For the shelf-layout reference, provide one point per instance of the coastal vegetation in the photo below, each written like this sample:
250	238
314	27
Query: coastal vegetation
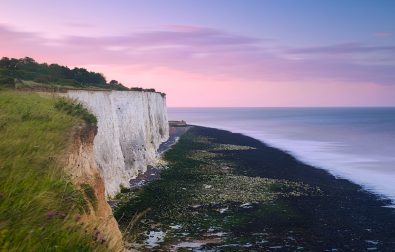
202	196
228	192
75	109
27	74
40	209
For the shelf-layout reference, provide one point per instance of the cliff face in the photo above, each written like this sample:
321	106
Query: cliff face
131	126
83	171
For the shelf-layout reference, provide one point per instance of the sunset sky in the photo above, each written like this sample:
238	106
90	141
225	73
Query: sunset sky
206	53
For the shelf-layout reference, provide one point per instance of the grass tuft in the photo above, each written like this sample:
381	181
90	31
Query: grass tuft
75	109
90	194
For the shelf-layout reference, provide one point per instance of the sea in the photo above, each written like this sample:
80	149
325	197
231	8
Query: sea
357	144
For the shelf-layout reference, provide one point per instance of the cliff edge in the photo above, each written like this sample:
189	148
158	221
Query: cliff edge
83	172
131	126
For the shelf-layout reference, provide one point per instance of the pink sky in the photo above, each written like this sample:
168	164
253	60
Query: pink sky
201	66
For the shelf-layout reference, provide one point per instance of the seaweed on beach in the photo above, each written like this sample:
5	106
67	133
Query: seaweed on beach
228	192
203	193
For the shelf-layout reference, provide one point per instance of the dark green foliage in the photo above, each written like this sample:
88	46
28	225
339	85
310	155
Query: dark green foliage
54	74
124	189
28	69
140	89
7	82
75	109
136	89
115	85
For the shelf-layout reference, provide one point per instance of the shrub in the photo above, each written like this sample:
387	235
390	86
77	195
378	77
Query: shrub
75	109
7	82
136	89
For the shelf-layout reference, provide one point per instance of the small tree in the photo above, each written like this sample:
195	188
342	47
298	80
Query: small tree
114	82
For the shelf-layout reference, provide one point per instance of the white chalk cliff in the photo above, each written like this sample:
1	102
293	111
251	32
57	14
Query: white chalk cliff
131	126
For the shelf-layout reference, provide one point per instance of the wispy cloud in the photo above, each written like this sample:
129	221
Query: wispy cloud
195	37
383	34
349	48
79	24
205	51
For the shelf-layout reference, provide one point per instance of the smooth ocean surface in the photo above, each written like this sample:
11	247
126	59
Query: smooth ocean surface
353	143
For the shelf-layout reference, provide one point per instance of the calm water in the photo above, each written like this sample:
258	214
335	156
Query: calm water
353	143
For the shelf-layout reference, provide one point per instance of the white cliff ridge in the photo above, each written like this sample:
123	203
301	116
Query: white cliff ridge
131	126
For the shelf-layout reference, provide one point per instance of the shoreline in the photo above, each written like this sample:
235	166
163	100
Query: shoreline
369	188
353	143
308	204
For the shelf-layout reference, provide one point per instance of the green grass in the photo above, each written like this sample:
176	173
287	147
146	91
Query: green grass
33	85
90	194
38	204
75	109
29	84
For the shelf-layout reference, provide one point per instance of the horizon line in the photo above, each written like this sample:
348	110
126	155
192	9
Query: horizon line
257	107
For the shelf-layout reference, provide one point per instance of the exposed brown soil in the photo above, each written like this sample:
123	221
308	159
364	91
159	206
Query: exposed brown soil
81	167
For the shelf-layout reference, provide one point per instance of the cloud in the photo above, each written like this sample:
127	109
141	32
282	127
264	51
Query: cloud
349	48
79	25
8	35
187	36
383	34
203	51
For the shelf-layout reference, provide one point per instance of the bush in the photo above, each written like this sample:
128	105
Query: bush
136	89
7	82
69	82
75	109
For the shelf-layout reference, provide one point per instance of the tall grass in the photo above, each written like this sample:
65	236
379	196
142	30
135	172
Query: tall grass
75	109
39	207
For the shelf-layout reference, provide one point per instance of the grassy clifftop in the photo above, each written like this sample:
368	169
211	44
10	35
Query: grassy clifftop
40	208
